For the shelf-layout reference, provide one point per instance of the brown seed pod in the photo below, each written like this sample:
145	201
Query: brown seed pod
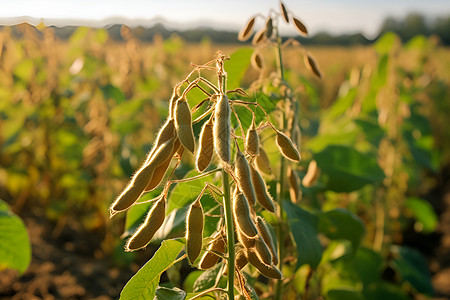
286	147
145	232
161	169
257	61
264	232
262	250
284	12
166	132
252	141
246	31
210	259
300	27
261	193
241	260
183	124
294	186
311	174
194	231
312	66
244	179
265	269
262	162
242	215
206	149
259	37
221	128
269	28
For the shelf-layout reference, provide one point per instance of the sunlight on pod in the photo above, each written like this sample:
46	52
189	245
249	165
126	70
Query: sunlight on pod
312	66
261	193
246	31
311	174
244	178
210	259
257	61
262	250
252	141
265	269
161	169
194	231
301	28
262	162
206	148
264	231
269	28
145	232
242	215
241	259
284	12
286	147
222	128
259	37
166	132
183	124
294	186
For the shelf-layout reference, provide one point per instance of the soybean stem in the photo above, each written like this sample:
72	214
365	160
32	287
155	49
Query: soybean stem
230	233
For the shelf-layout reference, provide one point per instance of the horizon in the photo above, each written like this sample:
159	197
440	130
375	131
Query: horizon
345	17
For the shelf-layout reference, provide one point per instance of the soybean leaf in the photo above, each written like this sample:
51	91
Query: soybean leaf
144	283
109	91
384	290
163	293
347	169
342	224
15	247
413	268
208	278
237	66
424	213
338	294
304	228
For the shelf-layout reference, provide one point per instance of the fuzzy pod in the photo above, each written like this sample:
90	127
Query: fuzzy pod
161	169
206	148
264	232
301	28
262	162
166	132
261	193
262	250
246	31
312	66
294	186
194	231
311	174
222	128
257	61
210	259
241	260
244	180
269	28
183	124
145	232
265	269
259	37
252	141
242	215
284	12
286	147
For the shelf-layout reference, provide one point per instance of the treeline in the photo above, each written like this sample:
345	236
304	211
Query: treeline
408	27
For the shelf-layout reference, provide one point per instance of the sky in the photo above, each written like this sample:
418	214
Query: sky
334	16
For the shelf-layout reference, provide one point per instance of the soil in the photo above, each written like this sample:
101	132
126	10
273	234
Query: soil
72	266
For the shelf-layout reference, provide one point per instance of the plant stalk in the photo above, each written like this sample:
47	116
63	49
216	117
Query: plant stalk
230	233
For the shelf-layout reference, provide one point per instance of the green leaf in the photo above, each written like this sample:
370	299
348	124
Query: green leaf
208	278
385	291
342	224
304	229
163	293
15	247
347	169
424	213
144	283
136	213
385	43
109	91
237	66
347	294
413	268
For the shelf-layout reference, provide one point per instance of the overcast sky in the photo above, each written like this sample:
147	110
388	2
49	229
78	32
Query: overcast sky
335	16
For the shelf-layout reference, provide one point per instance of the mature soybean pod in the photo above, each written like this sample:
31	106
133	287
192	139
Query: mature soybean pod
241	260
166	132
265	269
286	147
262	162
252	141
242	216
206	149
261	193
262	250
264	231
145	232
244	177
221	128
210	259
183	124
194	231
161	169
311	174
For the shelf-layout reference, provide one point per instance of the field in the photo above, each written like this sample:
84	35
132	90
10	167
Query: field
78	117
